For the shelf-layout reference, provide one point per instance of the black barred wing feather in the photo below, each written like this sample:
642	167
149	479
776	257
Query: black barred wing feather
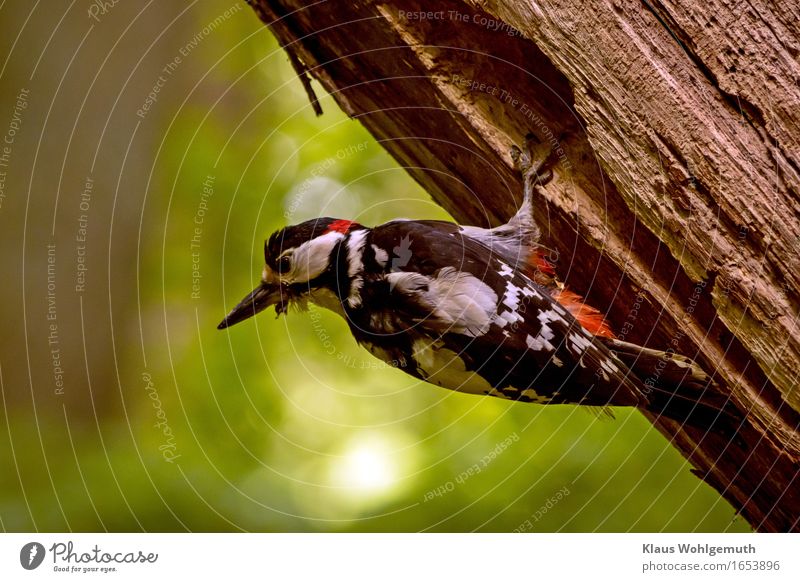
474	323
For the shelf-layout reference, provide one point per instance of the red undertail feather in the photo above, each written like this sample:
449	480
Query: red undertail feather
540	269
589	317
544	273
540	263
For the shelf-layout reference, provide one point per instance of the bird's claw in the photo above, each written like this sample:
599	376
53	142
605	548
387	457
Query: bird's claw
537	172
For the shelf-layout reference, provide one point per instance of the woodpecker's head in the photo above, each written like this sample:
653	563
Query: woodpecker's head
308	261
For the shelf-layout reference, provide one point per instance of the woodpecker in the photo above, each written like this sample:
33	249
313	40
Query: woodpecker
477	310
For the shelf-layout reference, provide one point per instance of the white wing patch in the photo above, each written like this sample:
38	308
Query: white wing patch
607	365
408	283
458	301
511	301
542	340
529	291
578	343
507	317
511	297
463	299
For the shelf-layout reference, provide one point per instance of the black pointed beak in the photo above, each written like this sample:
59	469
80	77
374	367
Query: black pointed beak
258	300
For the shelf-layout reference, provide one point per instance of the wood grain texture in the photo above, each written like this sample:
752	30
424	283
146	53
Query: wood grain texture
676	197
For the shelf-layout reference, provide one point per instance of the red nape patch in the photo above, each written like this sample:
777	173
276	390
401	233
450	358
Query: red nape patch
342	226
589	317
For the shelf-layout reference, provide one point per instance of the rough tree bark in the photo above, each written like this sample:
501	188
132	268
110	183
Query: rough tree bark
676	197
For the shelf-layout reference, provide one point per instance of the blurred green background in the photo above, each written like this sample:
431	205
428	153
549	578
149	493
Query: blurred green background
153	146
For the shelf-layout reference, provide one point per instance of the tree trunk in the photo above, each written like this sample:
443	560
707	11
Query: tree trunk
675	202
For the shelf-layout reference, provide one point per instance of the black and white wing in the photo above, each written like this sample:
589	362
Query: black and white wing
474	323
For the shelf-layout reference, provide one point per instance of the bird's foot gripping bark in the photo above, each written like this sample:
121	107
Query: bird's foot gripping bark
534	168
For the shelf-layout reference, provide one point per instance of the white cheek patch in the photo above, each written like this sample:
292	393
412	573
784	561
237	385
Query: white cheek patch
311	258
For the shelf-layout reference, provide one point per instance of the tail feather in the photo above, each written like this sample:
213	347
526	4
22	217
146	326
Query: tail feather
677	387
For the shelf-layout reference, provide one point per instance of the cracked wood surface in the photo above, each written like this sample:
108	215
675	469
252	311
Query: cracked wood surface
675	201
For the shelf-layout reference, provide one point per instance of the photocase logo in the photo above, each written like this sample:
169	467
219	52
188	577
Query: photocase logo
31	555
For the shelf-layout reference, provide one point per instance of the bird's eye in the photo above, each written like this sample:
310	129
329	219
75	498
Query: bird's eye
284	264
